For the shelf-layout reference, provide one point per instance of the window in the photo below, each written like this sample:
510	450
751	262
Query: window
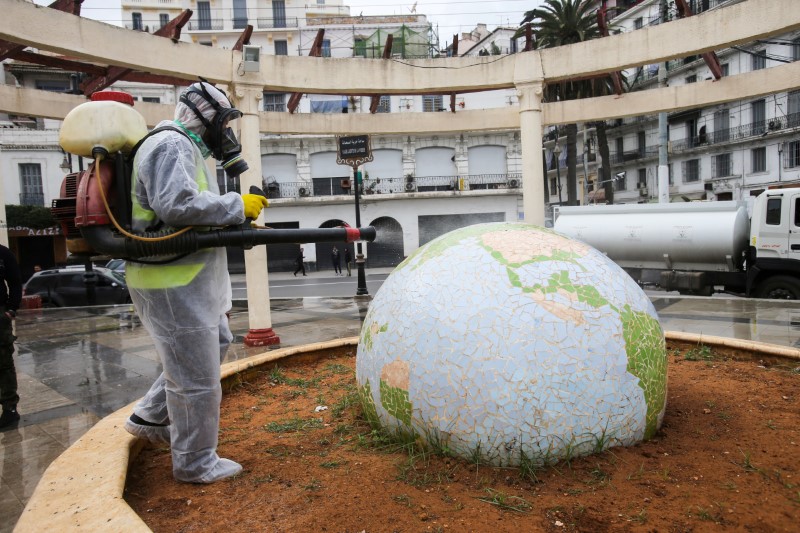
796	49
432	102
619	144
671	175
774	211
641	141
691	79
691	132
203	15
326	48
30	184
279	13
514	47
758	159
383	105
621	181
638	23
55	86
553	187
274	101
136	20
151	99
793	109
239	14
721	166
722	131
163	19
360	47
792	154
691	170
642	179
726	69
281	48
758	112
759	60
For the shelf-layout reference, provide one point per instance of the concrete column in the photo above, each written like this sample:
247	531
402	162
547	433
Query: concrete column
255	260
530	122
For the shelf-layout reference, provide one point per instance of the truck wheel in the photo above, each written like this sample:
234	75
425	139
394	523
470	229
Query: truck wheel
779	288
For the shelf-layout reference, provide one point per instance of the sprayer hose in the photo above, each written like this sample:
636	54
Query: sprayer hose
162	237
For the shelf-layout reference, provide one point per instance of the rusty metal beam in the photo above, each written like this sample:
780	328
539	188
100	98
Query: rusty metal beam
146	77
57	62
316	50
602	23
375	99
171	30
244	38
528	37
711	59
7	48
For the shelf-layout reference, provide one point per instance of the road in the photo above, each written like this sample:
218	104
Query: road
325	284
314	285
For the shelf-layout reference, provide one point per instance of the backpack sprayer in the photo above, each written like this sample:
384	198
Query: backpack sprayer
94	209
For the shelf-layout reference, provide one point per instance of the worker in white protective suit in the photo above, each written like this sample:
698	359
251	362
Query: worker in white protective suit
182	300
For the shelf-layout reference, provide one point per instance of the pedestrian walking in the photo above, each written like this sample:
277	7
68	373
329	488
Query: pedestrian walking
10	298
348	259
300	263
337	261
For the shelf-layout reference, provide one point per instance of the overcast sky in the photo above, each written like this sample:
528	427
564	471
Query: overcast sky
451	16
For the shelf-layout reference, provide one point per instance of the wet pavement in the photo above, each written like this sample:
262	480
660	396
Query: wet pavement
77	365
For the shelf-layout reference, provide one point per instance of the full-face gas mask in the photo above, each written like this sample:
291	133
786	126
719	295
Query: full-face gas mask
219	137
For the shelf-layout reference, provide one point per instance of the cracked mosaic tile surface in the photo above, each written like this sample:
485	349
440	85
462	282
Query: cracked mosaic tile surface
507	339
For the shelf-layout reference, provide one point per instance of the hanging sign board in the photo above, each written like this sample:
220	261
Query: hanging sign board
354	150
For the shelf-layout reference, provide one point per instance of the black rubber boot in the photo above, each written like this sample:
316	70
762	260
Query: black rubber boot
9	418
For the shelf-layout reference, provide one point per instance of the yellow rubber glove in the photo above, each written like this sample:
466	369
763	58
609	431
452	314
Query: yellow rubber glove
253	204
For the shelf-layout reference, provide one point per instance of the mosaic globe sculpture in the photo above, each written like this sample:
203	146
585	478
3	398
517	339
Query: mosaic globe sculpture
513	342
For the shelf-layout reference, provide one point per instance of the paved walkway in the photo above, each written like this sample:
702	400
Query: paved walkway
77	365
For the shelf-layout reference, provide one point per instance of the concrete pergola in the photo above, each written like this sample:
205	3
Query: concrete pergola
528	73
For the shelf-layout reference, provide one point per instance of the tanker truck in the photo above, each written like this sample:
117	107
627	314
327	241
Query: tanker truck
699	247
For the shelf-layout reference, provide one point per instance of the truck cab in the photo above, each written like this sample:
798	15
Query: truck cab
774	248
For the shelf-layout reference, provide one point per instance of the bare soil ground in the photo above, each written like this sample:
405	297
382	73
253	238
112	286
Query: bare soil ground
725	459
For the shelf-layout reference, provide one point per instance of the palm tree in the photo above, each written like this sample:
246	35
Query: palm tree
559	23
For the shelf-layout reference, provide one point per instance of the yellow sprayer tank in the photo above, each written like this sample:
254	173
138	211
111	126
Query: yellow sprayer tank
108	122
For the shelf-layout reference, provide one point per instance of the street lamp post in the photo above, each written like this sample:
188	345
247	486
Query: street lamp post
362	278
557	152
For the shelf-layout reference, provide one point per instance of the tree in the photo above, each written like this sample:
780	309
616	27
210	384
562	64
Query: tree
559	23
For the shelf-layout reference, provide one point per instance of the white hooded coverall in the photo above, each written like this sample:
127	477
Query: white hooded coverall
182	304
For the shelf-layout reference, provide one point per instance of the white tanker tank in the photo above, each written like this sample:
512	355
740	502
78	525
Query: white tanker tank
699	247
704	236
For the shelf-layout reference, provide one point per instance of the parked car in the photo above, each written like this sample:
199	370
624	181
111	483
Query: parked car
117	265
70	287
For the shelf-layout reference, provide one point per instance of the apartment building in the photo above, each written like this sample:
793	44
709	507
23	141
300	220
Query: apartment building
731	151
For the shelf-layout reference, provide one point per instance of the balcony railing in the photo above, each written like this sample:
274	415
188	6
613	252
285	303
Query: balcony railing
285	22
618	158
206	25
332	186
744	131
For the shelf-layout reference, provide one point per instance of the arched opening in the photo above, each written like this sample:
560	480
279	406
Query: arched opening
325	249
387	250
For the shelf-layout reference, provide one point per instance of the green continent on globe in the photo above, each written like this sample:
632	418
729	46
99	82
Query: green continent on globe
368	404
644	344
396	402
369	331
